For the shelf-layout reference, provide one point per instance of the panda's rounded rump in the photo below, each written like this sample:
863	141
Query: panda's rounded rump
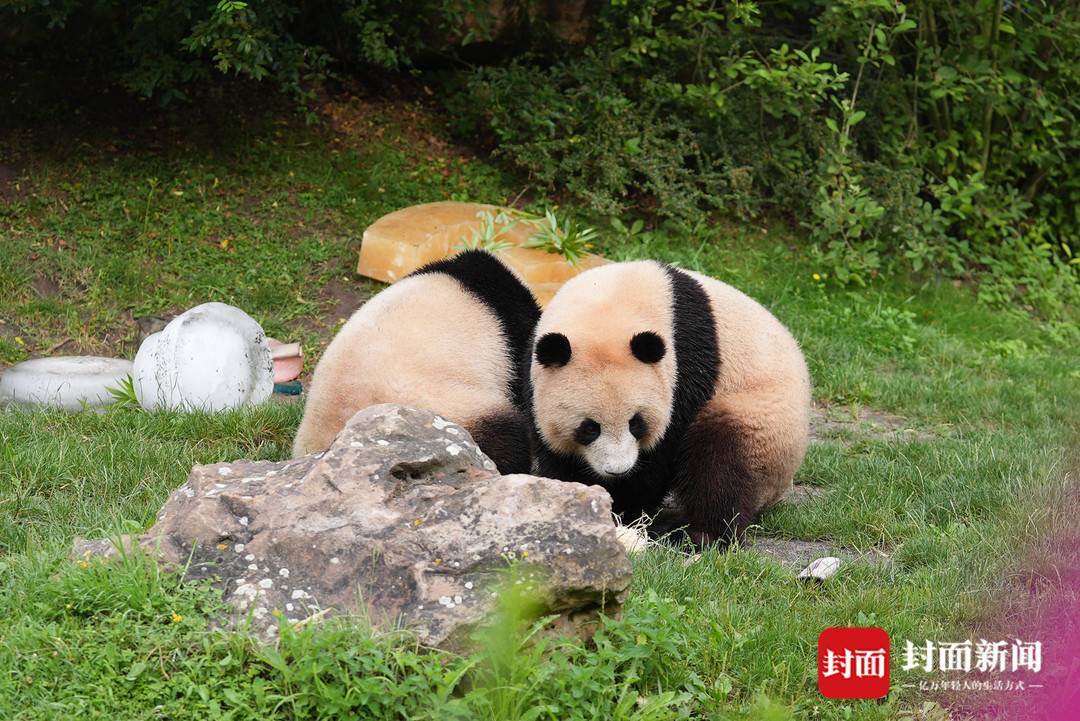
426	342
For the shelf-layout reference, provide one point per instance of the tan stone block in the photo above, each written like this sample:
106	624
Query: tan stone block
400	242
540	267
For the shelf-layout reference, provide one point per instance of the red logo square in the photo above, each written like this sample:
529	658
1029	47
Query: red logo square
853	663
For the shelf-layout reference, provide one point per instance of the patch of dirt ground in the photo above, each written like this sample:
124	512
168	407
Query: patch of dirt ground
12	185
846	424
796	555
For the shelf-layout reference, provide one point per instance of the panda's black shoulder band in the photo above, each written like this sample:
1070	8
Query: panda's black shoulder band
493	284
697	356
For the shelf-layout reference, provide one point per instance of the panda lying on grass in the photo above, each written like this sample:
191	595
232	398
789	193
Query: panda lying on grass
683	397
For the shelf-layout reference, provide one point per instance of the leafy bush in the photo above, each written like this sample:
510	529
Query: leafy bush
922	135
176	50
569	126
926	135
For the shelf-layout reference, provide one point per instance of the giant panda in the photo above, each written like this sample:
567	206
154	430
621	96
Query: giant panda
683	397
452	337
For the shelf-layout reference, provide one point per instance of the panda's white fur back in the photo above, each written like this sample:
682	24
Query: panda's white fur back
423	342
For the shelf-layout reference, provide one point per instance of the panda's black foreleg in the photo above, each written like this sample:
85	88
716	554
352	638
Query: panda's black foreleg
639	495
715	493
633	496
504	438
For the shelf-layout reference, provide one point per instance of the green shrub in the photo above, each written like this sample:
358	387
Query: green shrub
172	51
918	136
570	127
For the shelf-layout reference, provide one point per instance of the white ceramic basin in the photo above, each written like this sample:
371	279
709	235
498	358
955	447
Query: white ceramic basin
212	357
63	382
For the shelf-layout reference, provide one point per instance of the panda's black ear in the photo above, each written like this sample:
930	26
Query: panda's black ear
647	347
553	349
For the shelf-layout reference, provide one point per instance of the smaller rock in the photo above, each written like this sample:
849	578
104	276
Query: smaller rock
86	548
89	547
821	569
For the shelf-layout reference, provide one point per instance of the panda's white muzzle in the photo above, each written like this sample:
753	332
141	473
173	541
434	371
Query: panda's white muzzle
612	456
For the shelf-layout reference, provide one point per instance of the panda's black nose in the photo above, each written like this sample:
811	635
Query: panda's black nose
587	432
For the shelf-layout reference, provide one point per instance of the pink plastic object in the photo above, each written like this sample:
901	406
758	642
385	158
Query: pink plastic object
288	360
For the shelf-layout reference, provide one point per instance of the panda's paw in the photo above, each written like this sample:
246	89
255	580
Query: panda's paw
668	524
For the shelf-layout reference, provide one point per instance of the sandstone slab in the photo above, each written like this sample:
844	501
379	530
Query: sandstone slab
400	242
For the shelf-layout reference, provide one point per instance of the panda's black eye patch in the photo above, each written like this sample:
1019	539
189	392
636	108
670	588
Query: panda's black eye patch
647	347
553	349
587	432
638	427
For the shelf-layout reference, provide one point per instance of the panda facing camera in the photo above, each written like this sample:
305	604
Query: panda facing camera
610	437
683	397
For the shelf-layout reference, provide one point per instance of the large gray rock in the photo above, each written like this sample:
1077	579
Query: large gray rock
404	519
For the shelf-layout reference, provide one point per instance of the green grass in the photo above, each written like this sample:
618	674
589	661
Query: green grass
730	635
263	218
